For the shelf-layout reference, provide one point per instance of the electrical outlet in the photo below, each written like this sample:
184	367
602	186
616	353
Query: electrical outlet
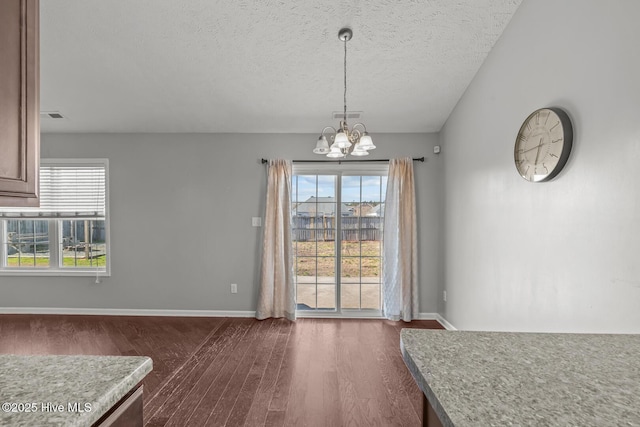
256	221
234	288
444	296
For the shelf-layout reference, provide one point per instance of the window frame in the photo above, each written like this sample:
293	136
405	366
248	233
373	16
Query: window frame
55	234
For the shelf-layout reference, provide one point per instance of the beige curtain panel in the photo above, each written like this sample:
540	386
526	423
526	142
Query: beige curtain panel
277	296
400	256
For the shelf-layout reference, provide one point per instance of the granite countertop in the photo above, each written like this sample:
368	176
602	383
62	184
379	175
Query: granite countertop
526	379
65	390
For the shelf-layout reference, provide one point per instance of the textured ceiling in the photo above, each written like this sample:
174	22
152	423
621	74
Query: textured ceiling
259	65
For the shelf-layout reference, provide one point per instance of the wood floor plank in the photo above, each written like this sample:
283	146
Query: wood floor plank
304	403
280	395
377	364
274	419
175	387
39	337
121	341
331	399
234	372
246	355
395	376
345	363
93	338
17	336
224	373
194	400
332	414
240	411
258	412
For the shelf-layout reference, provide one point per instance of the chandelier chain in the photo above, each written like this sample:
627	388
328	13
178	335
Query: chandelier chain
345	80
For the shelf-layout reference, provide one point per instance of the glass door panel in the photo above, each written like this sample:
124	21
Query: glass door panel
361	238
314	208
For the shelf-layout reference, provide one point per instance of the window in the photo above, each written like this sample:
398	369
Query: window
69	233
337	226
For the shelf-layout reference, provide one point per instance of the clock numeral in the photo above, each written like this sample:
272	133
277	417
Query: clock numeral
547	119
553	155
554	141
538	118
522	137
529	125
535	170
553	127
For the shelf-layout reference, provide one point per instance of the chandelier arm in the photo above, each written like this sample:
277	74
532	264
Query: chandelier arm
354	135
360	124
329	127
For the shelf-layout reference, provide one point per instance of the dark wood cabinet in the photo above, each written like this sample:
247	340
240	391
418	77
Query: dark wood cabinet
19	102
126	413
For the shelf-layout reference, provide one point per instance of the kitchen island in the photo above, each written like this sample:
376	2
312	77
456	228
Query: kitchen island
525	379
71	390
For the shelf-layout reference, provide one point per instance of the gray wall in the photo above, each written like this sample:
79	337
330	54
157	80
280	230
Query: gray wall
164	187
563	255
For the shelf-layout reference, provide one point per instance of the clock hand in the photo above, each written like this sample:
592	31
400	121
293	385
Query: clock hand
538	153
531	149
534	148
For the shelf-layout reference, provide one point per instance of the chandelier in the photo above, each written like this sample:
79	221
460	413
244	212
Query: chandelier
344	140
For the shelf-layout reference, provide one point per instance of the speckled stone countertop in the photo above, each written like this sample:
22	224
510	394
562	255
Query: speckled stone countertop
526	379
65	390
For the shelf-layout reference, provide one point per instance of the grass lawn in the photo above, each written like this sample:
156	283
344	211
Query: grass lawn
318	258
43	261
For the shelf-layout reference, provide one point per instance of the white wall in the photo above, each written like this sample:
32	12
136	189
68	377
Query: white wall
563	255
181	208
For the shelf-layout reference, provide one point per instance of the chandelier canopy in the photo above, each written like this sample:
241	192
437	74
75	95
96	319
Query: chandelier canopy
345	141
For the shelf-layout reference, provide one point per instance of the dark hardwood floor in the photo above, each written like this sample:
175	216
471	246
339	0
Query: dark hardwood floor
245	372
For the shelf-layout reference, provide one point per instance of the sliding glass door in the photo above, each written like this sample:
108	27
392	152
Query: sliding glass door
337	219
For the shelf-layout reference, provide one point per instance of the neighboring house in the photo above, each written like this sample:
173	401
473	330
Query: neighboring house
363	209
321	207
377	211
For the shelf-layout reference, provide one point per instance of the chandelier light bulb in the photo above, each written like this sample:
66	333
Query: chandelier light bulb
322	146
358	150
366	143
335	152
342	140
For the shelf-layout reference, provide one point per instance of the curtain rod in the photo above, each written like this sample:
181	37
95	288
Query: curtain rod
418	159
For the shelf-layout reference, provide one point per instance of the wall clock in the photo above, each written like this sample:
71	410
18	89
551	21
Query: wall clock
543	144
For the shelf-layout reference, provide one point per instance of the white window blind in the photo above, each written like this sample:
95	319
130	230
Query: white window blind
67	191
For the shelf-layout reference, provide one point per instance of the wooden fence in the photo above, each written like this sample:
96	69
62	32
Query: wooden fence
324	228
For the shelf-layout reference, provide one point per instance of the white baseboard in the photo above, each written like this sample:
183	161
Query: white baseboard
184	313
126	312
436	316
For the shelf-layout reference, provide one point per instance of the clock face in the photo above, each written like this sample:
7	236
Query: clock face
543	144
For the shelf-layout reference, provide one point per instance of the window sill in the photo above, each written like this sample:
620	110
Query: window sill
54	273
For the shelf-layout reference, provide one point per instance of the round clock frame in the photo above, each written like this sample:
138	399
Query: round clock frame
543	144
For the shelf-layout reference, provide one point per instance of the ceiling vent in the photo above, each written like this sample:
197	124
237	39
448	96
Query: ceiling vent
339	115
51	115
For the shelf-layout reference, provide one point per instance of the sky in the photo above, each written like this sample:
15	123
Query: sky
354	188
